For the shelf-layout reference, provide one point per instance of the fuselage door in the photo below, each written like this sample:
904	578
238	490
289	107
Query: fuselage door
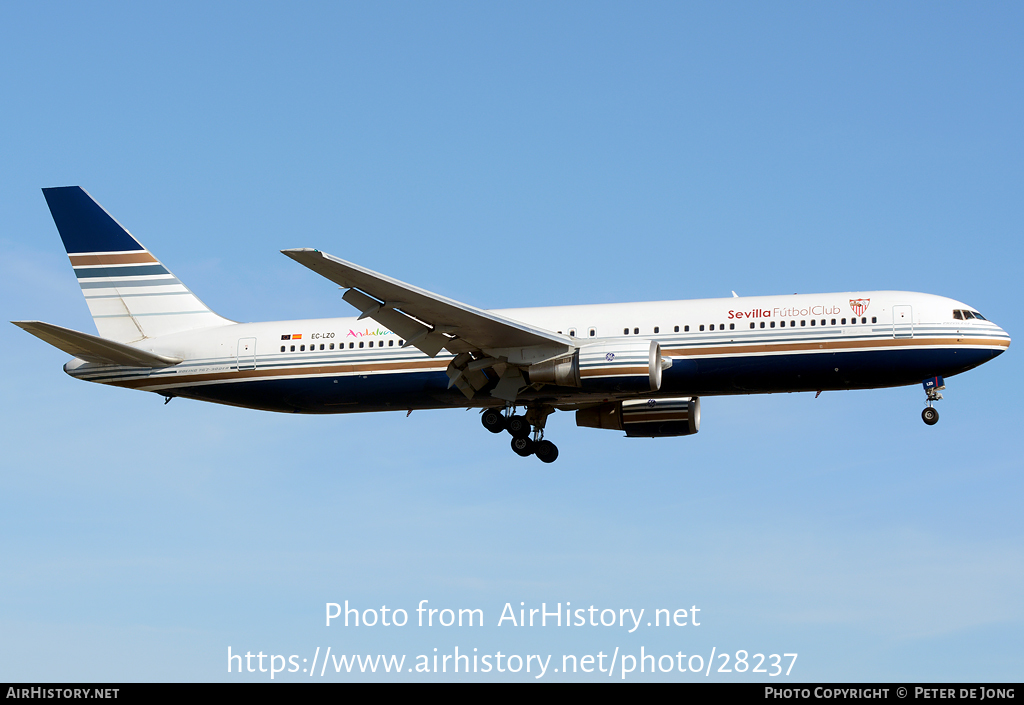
247	353
902	322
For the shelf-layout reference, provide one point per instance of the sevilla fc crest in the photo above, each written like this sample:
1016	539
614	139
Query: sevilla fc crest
859	306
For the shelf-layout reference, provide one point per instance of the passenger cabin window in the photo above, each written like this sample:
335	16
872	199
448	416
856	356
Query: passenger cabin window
360	343
391	343
833	322
282	348
752	325
813	322
686	329
656	329
772	324
677	329
625	331
572	332
844	322
702	326
762	324
302	348
592	332
732	326
636	331
293	348
874	319
804	323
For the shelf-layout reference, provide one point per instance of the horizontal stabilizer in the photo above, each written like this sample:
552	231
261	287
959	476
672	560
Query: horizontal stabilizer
93	349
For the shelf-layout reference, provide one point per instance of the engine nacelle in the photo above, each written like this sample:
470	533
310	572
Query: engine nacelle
565	371
633	365
645	418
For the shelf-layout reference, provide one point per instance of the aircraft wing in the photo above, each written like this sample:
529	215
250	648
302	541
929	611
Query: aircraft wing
424	319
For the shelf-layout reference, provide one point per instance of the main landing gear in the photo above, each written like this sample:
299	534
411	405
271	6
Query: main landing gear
521	428
932	386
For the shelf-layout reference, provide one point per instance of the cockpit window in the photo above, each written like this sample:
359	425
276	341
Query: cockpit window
968	314
957	315
978	316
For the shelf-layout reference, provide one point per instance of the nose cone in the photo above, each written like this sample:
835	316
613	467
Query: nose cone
1003	337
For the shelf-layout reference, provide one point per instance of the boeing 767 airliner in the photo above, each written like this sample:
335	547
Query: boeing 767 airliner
637	367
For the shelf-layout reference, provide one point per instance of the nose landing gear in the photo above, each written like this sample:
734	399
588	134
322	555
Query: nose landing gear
932	387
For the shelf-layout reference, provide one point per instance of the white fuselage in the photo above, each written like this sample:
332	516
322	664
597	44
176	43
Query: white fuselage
718	346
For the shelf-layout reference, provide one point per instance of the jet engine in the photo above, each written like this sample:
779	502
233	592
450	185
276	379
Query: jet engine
645	418
617	366
622	366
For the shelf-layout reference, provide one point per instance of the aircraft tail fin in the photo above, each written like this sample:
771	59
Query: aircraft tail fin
130	294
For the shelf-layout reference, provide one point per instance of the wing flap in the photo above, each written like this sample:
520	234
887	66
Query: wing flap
94	349
409	329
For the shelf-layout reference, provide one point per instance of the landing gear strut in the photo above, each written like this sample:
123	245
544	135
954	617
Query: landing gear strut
521	428
932	386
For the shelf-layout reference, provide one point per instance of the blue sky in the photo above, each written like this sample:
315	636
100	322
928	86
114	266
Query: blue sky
508	156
